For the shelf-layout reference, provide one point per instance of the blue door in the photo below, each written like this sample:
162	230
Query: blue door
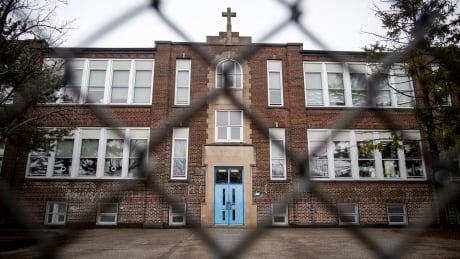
228	196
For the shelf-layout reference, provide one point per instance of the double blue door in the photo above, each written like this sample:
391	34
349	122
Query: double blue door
228	196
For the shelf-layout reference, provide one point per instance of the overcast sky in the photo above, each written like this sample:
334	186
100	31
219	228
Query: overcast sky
339	24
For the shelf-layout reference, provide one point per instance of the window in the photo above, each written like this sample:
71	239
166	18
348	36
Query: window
182	90
345	84
92	153
143	81
107	214
96	81
179	159
348	213
277	154
177	214
56	213
89	152
313	84
335	84
120	81
364	155
342	159
397	214
275	83
63	157
279	214
358	84
403	84
38	163
137	147
106	81
390	160
318	151
113	154
413	159
229	126
234	75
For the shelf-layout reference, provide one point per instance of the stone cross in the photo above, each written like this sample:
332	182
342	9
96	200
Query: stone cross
229	16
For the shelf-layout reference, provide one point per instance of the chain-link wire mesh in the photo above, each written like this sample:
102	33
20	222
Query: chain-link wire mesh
301	183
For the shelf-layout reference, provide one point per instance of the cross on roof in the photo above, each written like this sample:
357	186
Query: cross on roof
229	14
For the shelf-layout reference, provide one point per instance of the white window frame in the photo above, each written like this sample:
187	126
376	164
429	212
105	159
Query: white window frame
236	84
328	136
84	65
54	214
101	214
275	67
228	126
277	134
179	134
341	214
182	66
284	214
173	214
347	70
391	214
102	135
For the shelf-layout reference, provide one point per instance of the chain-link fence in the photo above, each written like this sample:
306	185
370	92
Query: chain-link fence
302	180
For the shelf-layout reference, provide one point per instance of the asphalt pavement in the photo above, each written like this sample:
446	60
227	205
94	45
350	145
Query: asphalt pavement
135	243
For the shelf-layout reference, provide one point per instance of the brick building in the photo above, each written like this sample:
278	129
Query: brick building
219	165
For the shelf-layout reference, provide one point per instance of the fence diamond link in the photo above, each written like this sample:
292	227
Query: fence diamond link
302	182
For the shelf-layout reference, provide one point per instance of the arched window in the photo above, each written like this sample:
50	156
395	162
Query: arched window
233	69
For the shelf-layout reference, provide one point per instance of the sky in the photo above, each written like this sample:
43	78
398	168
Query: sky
338	24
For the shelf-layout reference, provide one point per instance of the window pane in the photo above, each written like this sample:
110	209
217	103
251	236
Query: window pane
142	95
277	149
235	118
113	166
236	176
391	169
235	133
222	133
313	80
314	97
120	78
179	167
75	79
143	78
182	95
97	78
62	166
335	80
119	95
382	98
38	165
180	148
89	147
275	97
64	148
114	148
183	78
274	80
358	81
222	119
318	162
389	152
95	95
